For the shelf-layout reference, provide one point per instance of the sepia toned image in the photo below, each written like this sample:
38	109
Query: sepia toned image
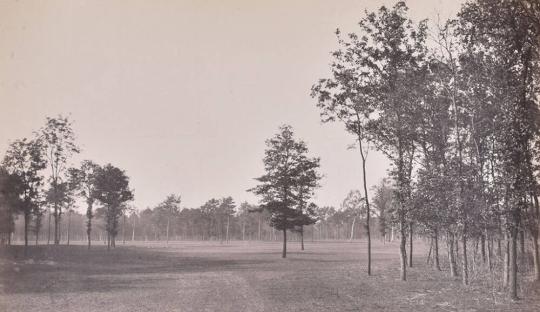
269	155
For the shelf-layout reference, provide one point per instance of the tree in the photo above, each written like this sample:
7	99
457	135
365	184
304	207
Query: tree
285	187
11	193
226	209
353	205
346	98
376	87
209	218
59	141
383	203
307	182
25	159
82	180
167	210
112	190
63	197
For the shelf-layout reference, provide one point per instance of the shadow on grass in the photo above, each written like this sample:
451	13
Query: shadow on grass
64	269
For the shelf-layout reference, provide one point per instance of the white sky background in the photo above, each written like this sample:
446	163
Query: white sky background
183	94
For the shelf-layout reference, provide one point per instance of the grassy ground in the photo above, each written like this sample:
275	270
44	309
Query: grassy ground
195	276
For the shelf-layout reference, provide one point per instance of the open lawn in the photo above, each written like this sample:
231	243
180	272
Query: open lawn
239	276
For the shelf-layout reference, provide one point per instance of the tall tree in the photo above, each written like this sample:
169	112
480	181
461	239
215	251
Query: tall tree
285	163
376	86
83	181
112	190
11	193
226	209
59	141
346	98
25	159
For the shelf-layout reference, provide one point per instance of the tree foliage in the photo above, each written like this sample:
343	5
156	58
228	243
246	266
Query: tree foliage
288	184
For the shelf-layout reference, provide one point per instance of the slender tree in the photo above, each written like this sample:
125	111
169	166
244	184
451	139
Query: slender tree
226	208
345	98
83	181
59	142
375	90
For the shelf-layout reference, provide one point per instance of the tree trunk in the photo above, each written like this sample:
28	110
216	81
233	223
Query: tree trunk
284	252
451	255
49	228
403	250
534	234
133	230
227	230
428	259
483	247
168	222
259	235
56	224
89	232
89	216
26	224
302	237
513	263
465	264
489	252
536	257
123	228
68	227
436	250
506	271
368	212
352	229
410	244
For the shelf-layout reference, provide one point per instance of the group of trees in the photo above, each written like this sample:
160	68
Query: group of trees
35	177
455	110
216	220
208	223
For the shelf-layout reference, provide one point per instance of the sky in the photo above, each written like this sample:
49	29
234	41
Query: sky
183	94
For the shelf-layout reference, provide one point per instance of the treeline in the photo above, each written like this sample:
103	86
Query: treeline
208	222
456	111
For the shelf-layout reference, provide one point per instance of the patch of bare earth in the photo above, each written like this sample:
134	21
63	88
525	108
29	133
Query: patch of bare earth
239	276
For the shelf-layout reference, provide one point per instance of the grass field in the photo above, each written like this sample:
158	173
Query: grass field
197	276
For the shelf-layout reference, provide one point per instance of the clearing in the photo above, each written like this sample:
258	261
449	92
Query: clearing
238	276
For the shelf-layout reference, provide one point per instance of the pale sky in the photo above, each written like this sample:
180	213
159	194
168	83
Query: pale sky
183	94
